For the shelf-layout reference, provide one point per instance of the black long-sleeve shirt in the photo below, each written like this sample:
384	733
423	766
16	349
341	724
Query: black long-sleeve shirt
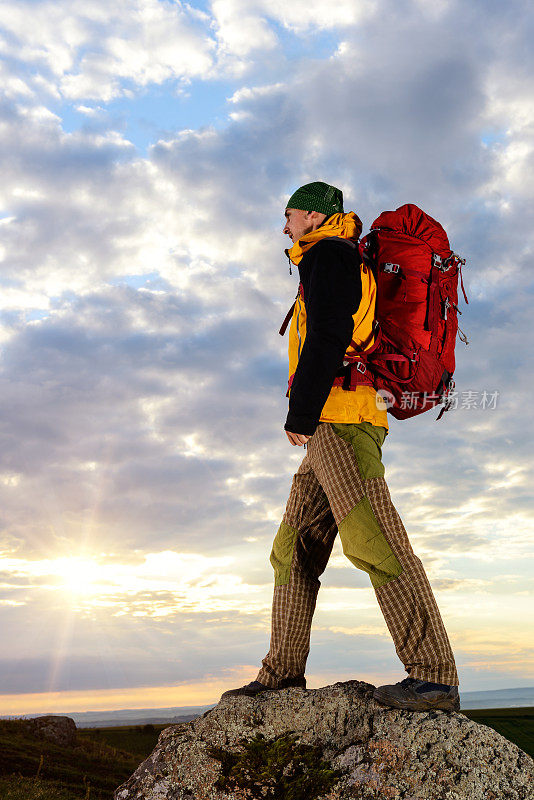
331	280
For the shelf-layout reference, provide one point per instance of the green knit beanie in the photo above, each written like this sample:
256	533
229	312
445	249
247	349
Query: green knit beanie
317	196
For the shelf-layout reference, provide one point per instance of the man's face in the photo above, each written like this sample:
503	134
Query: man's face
298	223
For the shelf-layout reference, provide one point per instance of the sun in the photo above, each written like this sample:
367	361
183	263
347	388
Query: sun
78	575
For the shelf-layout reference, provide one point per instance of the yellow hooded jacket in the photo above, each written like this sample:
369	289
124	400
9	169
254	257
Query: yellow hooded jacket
344	406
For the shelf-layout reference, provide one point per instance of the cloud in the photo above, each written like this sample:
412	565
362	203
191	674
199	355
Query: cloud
95	51
142	375
101	51
243	27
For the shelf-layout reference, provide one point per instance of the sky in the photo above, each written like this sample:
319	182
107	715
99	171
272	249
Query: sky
148	148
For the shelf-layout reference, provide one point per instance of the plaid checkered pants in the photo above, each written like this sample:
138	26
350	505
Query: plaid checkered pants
340	486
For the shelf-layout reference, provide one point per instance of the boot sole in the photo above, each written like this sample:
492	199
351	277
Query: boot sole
255	694
418	705
246	694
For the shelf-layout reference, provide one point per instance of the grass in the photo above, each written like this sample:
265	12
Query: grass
139	740
17	788
279	768
90	770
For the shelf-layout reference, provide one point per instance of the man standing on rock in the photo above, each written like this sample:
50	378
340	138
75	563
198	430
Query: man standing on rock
340	484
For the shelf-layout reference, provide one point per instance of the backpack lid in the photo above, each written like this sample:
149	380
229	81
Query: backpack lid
410	220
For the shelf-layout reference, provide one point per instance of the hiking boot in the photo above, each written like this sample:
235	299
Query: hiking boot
413	694
254	688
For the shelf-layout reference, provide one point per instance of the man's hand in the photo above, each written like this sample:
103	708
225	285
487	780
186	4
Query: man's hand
297	438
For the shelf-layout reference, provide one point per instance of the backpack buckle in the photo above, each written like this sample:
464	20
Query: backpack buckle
360	366
437	261
454	260
389	267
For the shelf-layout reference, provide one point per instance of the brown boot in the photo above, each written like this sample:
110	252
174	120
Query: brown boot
414	694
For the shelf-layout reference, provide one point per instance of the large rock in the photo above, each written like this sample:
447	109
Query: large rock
59	730
377	752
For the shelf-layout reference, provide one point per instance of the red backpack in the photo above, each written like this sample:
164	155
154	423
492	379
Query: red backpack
412	360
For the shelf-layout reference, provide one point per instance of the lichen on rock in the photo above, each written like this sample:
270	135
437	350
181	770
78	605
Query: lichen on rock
55	728
334	743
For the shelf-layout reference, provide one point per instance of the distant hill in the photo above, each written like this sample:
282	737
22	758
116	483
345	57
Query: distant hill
137	716
126	716
498	698
494	698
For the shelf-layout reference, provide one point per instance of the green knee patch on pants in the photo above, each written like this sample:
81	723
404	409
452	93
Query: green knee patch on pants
282	553
365	545
366	440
